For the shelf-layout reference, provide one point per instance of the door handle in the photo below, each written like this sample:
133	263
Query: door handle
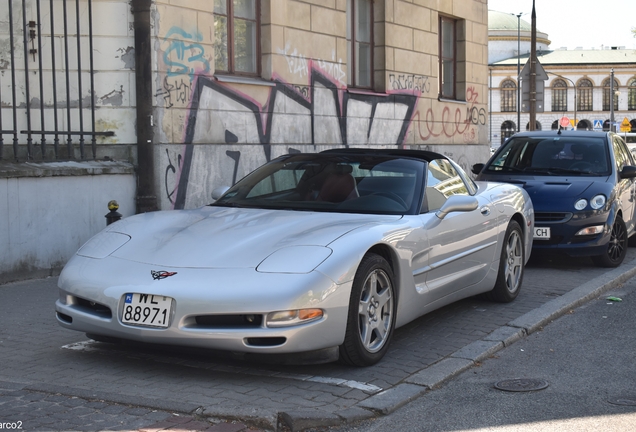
485	210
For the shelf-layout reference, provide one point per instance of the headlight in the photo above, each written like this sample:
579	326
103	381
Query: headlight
580	204
293	317
103	244
597	202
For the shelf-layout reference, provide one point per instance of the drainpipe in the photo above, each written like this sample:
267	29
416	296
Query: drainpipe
146	196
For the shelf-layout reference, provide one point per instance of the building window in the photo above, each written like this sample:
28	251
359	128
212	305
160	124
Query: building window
607	95
584	95
360	43
508	96
237	36
508	129
559	95
537	125
631	95
447	57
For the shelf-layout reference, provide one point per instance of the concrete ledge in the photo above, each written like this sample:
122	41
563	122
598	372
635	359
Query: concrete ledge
478	350
70	168
440	372
158	404
506	335
299	420
267	419
389	400
539	317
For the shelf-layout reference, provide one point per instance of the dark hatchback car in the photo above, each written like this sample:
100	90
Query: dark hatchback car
582	185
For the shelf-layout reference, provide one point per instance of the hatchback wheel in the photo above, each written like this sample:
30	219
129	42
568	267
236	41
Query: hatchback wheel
616	247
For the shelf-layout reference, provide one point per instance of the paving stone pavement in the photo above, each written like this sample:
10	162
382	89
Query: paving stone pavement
55	379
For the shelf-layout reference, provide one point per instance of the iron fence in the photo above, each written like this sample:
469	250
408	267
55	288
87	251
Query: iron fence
43	74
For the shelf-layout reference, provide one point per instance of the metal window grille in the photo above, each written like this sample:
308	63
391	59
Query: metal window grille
584	97
607	97
631	95
508	96
559	96
46	80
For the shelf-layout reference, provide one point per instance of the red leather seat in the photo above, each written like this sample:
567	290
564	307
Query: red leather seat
338	187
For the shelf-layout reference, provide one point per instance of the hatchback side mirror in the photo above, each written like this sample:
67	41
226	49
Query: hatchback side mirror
628	171
476	169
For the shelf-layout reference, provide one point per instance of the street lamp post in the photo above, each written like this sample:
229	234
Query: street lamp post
519	71
612	101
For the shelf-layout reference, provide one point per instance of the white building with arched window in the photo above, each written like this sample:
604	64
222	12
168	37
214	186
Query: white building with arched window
578	85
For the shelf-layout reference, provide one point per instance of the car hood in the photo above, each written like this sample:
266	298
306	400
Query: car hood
220	237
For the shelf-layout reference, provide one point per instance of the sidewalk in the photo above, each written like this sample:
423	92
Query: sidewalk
41	358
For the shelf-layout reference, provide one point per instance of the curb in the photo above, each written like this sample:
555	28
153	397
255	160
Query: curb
418	384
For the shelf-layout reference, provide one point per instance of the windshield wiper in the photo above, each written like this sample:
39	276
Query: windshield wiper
504	168
557	170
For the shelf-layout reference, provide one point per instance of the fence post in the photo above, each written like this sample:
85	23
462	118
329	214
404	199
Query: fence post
113	215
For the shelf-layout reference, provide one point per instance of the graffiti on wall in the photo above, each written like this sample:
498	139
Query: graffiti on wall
453	123
234	133
299	65
321	114
184	57
409	82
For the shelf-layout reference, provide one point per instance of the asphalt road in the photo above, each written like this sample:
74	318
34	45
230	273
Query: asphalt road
586	358
55	379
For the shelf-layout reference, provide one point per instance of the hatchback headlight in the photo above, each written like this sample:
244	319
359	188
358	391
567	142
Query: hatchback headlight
597	202
580	204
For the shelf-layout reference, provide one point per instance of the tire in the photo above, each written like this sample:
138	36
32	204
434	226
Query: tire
511	266
371	317
616	247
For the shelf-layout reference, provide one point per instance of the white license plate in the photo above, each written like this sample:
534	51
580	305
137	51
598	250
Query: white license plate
146	310
542	233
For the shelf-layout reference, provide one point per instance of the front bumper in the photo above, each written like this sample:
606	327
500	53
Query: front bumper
92	293
563	236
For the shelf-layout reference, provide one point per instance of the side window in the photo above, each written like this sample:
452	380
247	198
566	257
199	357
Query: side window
237	36
621	153
442	181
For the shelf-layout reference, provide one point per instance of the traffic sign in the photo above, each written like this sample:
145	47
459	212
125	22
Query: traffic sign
626	126
598	124
564	122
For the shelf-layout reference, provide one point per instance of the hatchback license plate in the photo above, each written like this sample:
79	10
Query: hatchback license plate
542	233
146	310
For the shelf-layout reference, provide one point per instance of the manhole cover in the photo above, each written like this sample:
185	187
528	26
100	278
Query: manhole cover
625	400
521	385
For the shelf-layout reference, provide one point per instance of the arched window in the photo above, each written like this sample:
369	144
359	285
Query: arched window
508	96
607	96
631	95
555	125
559	95
508	129
537	125
584	125
584	95
633	123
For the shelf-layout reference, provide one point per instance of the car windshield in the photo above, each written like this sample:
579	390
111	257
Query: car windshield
327	182
553	156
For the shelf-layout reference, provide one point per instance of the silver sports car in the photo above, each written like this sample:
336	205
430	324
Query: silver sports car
310	253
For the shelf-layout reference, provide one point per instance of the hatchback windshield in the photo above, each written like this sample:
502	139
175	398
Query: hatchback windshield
553	156
350	183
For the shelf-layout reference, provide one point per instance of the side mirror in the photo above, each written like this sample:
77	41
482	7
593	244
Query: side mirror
476	169
457	203
218	192
628	171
